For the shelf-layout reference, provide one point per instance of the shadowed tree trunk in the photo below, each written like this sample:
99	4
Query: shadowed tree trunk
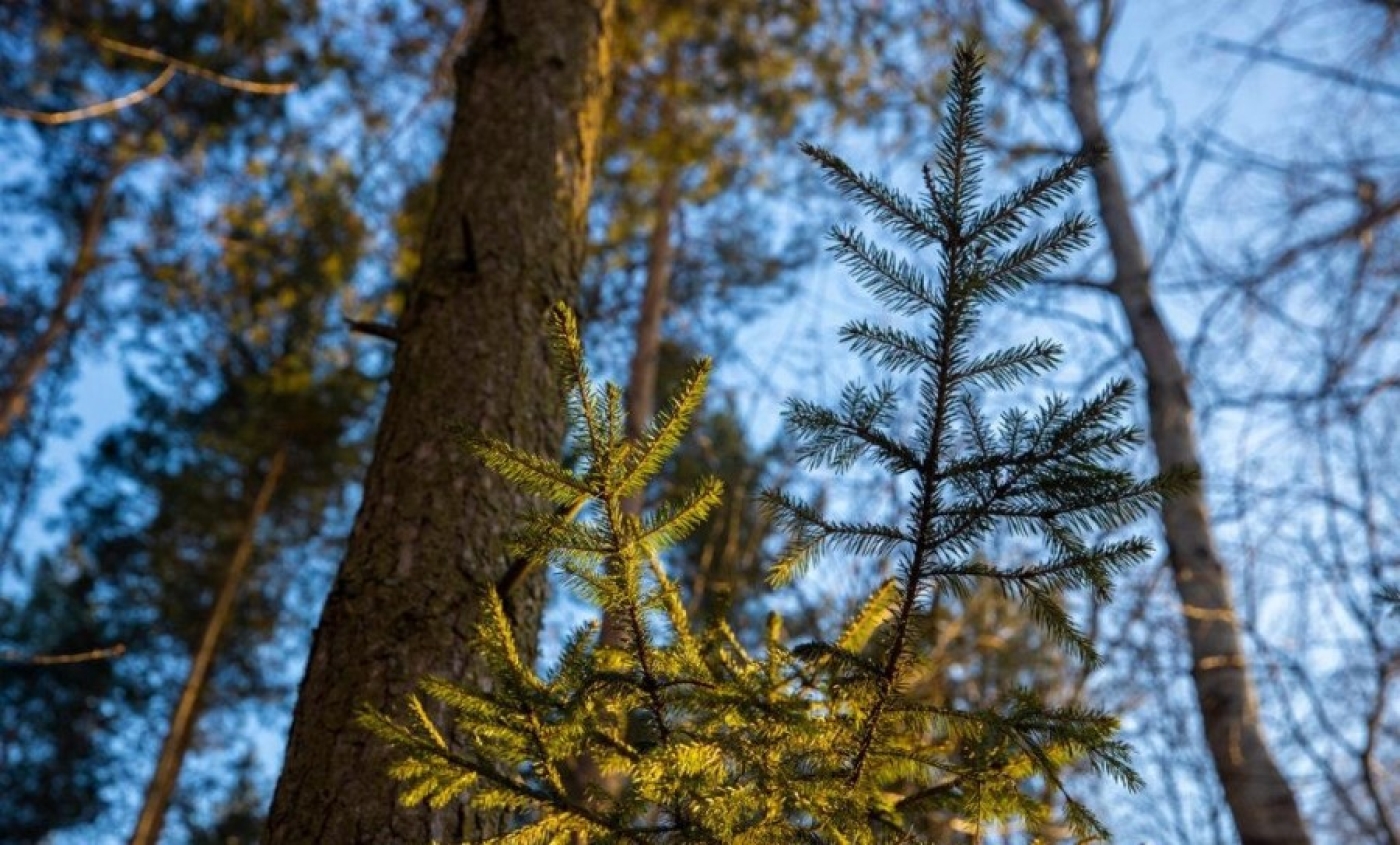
646	355
177	738
506	239
24	371
1261	802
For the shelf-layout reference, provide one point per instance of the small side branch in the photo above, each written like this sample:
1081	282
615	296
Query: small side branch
102	109
1258	53
149	90
246	86
14	658
383	331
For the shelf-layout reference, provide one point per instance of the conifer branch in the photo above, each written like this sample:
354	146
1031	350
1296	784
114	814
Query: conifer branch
522	564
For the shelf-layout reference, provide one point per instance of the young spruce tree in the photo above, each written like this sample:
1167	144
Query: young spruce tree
817	742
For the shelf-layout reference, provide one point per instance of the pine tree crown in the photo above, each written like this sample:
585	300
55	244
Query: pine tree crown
820	741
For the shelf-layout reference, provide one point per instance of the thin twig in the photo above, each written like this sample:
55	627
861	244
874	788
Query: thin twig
245	85
150	89
106	107
1294	63
15	658
373	329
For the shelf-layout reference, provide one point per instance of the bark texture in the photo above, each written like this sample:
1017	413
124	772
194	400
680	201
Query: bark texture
182	721
1260	799
506	240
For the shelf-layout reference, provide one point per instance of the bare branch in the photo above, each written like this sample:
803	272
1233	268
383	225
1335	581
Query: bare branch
102	109
373	329
150	55
15	658
1346	77
150	89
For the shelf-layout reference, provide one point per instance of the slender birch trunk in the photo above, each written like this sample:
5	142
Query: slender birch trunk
1260	799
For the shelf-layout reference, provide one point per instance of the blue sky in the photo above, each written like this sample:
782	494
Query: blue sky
1161	40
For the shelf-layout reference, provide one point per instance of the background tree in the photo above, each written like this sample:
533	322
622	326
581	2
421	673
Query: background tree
177	509
286	414
1260	798
60	58
101	170
55	765
1324	236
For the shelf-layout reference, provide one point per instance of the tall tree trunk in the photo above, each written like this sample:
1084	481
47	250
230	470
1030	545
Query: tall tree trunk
506	240
177	738
1261	802
24	371
646	354
656	288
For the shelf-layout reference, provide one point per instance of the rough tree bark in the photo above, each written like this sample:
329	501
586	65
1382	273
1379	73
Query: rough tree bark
505	240
181	730
1260	799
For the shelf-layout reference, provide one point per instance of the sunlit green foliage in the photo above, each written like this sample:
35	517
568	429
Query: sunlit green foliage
818	741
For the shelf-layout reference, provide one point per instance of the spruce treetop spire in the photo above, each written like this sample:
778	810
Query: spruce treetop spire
818	741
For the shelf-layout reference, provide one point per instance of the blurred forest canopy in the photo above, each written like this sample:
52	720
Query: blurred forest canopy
218	214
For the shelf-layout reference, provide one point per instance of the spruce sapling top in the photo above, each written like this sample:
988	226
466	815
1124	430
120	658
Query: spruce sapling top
690	737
